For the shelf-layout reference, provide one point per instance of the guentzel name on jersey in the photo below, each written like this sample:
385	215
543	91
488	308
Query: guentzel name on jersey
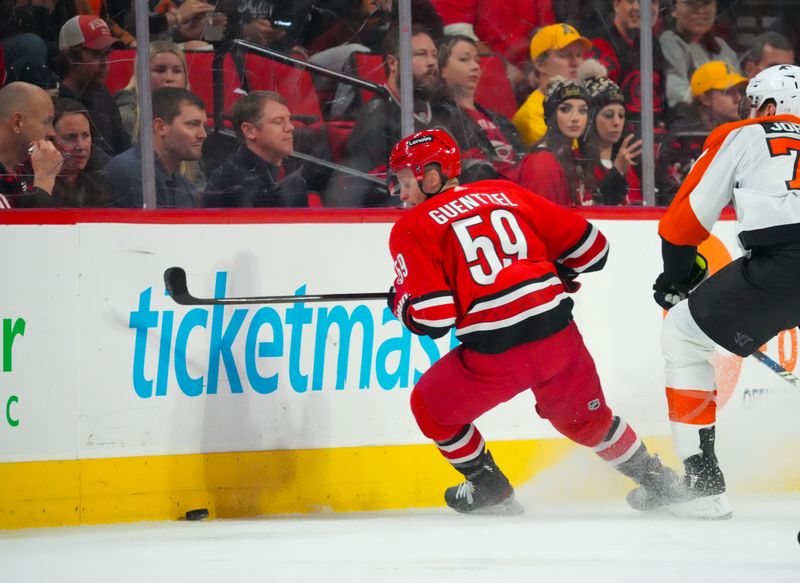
462	205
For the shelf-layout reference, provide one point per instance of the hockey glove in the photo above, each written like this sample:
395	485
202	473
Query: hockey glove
668	293
390	299
568	278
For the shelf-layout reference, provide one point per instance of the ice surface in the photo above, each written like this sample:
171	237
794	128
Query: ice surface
560	542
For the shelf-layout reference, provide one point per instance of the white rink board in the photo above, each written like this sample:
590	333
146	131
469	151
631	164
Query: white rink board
98	376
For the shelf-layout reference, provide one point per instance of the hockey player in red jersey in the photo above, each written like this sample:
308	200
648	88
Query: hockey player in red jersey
752	164
498	262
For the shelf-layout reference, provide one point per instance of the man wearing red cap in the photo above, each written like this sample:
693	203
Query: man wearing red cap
85	43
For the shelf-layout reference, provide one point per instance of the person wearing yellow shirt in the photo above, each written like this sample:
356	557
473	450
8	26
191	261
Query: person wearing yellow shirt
556	50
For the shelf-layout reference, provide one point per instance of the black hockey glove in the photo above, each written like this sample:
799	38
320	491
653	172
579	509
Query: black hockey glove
390	299
669	293
568	278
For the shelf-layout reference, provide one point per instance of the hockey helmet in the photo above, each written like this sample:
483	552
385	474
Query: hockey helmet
434	146
780	83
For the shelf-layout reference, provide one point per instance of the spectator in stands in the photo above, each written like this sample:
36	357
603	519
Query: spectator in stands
366	22
38	75
617	48
558	163
689	42
179	120
85	43
377	127
167	69
257	174
486	137
499	26
351	26
556	50
26	149
766	50
178	21
278	24
611	156
787	24
717	90
78	184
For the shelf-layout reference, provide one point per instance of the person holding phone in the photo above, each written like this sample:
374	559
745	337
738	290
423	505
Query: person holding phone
612	155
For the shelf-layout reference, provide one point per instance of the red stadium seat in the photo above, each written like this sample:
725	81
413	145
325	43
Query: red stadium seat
314	200
369	67
338	133
295	85
201	80
120	69
494	91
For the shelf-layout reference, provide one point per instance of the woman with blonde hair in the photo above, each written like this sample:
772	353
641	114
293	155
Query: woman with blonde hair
167	69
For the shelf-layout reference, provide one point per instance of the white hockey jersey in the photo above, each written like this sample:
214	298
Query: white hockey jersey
754	164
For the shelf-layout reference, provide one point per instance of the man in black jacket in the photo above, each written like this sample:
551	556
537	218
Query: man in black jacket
85	43
256	176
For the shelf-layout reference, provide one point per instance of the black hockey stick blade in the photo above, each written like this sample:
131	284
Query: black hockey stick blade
175	282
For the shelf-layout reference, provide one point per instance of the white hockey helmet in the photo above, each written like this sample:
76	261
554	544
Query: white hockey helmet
780	83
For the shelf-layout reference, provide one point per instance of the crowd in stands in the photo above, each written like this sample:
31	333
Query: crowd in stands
558	111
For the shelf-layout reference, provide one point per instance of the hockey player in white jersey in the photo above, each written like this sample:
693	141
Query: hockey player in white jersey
755	165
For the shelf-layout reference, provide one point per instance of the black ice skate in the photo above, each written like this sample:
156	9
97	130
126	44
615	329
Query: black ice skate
705	490
486	491
701	493
659	485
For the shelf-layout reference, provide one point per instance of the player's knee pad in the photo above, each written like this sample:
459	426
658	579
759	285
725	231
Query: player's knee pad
687	351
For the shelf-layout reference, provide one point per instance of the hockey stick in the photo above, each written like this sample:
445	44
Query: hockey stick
777	368
175	281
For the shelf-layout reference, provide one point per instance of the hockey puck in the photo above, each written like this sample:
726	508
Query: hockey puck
197	514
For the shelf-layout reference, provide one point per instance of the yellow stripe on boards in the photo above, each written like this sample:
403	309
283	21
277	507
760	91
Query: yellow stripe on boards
243	484
246	484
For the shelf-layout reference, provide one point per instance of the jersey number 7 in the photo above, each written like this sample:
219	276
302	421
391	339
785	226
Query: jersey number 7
783	147
488	248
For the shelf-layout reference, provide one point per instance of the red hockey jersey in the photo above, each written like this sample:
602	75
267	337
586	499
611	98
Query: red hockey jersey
483	257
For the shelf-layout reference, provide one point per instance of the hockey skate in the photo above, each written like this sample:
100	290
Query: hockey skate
659	485
701	493
705	487
486	491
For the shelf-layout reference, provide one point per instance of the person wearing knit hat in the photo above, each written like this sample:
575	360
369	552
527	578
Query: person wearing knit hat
556	50
611	157
556	166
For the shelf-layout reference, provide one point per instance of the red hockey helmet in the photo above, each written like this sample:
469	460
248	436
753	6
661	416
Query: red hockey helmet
434	146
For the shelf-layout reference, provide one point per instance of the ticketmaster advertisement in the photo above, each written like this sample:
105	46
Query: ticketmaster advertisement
99	362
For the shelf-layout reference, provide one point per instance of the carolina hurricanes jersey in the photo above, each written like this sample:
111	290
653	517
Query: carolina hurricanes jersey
481	258
755	164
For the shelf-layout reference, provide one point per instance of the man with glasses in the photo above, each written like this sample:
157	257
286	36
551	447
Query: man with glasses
257	174
85	43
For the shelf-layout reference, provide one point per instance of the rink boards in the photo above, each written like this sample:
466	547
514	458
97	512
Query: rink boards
116	404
